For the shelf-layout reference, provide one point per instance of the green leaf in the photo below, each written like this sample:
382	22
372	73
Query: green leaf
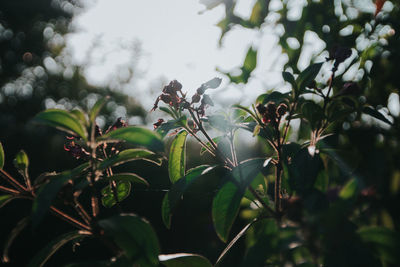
128	177
250	62
2	158
313	113
349	190
62	120
136	136
130	155
172	197
307	76
134	236
96	108
4	199
184	260
123	189
44	255
80	116
303	171
14	233
385	241
274	96
21	163
233	242
176	162
288	77
48	192
164	129
376	114
213	83
226	203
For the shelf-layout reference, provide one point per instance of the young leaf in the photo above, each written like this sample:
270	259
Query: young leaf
288	77
4	199
48	192
80	116
307	76
44	255
349	190
183	260
176	163
172	197
123	189
62	120
96	108
213	83
136	136
128	177
227	201
376	114
1	156
250	62
14	233
134	236
21	163
130	155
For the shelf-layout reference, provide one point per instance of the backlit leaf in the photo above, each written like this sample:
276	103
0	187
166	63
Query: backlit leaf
184	260
176	162
130	155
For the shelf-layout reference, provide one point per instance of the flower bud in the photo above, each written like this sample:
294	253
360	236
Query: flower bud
158	123
175	85
201	90
195	98
271	107
261	108
165	98
282	108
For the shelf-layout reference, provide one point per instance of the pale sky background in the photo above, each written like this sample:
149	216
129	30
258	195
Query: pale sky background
176	42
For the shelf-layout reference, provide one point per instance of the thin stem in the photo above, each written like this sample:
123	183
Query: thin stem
82	212
8	190
12	181
69	219
257	196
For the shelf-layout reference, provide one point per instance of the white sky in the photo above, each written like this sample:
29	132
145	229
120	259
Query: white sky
176	43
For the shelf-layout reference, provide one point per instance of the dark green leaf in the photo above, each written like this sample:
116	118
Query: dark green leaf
303	171
96	109
1	156
227	201
376	114
172	198
48	192
130	155
349	190
313	113
136	136
44	255
177	160
307	76
164	128
62	120
288	77
128	177
184	260
385	241
4	199
14	233
134	236
276	97
21	163
123	190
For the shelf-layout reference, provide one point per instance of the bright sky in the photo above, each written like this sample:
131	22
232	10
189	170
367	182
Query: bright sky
176	43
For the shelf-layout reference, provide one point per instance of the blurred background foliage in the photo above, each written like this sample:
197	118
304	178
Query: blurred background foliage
36	73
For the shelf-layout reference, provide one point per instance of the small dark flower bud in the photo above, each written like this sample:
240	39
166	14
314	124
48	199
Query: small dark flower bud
158	123
168	90
165	98
206	100
261	108
271	107
175	85
201	90
185	105
195	98
282	108
75	150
